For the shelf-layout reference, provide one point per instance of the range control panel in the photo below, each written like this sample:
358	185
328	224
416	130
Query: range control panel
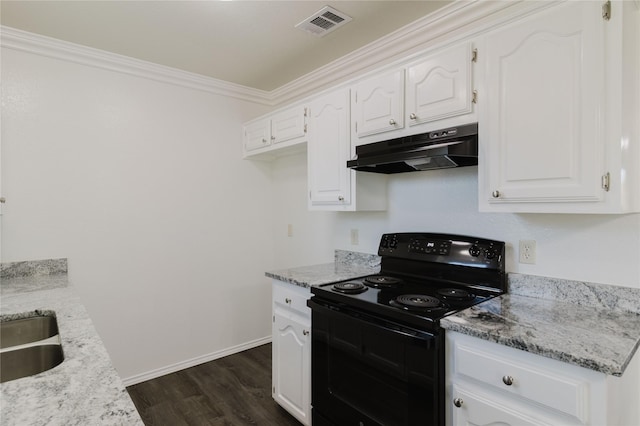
444	248
430	247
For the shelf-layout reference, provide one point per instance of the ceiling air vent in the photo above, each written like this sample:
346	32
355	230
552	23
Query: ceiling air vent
324	21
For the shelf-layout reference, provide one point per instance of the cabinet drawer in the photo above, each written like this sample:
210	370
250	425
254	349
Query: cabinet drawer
565	394
475	409
292	297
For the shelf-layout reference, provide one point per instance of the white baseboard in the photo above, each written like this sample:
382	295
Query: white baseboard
143	377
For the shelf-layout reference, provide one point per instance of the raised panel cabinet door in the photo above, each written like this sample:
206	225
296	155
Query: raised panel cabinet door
257	135
543	123
471	409
377	104
328	149
292	366
289	124
440	86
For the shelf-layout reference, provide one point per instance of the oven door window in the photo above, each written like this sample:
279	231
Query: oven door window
373	372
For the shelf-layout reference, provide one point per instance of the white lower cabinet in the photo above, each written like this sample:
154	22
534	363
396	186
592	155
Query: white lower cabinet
291	350
492	384
478	410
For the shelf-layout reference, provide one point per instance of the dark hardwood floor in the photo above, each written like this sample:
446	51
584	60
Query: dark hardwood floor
231	391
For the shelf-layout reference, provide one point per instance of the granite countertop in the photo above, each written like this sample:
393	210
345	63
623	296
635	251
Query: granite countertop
347	265
595	326
590	325
85	389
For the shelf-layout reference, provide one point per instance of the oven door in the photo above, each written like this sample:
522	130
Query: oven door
368	371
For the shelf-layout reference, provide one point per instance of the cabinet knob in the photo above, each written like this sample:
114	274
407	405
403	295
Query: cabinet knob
340	198
264	140
273	138
495	194
507	380
305	332
458	402
287	301
392	122
412	116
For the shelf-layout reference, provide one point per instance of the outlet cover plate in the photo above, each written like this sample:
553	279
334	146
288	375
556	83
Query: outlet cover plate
528	251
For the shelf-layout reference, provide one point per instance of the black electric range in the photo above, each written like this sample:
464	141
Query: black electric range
424	277
377	346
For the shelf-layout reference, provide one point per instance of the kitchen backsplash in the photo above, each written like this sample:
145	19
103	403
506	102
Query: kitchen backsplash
356	258
33	267
610	297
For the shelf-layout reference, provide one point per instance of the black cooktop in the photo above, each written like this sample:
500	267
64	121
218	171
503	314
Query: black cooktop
423	277
418	303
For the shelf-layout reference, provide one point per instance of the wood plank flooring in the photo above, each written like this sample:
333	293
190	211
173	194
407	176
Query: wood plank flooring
230	391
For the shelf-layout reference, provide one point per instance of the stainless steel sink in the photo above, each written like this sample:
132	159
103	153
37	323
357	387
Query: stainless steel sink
15	364
27	330
28	346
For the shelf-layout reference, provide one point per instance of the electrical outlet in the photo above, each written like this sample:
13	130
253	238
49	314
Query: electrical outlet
528	251
289	230
354	237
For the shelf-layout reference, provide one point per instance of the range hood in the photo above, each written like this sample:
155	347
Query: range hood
440	149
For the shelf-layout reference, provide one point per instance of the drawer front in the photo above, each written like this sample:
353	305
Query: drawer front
565	394
471	408
291	296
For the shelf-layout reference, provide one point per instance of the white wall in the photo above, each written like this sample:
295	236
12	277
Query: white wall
596	248
168	232
142	186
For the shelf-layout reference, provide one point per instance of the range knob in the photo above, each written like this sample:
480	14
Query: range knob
490	253
475	251
385	242
394	242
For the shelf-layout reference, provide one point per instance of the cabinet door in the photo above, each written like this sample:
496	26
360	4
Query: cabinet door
257	135
543	123
474	410
328	150
440	86
377	104
289	124
292	366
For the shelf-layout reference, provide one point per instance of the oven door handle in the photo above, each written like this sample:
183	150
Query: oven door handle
386	324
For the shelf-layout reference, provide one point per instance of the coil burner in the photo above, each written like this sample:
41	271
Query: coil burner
350	287
455	296
417	302
382	281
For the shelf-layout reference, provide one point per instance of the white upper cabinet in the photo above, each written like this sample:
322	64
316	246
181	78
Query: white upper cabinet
416	98
377	104
332	186
328	150
440	86
257	135
281	129
289	124
550	125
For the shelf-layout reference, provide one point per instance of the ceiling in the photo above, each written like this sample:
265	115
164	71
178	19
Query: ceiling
251	43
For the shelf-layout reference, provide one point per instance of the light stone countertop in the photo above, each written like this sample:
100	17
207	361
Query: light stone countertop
590	325
347	265
595	326
85	389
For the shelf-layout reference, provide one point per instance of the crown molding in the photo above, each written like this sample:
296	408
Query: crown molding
53	48
457	20
460	19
